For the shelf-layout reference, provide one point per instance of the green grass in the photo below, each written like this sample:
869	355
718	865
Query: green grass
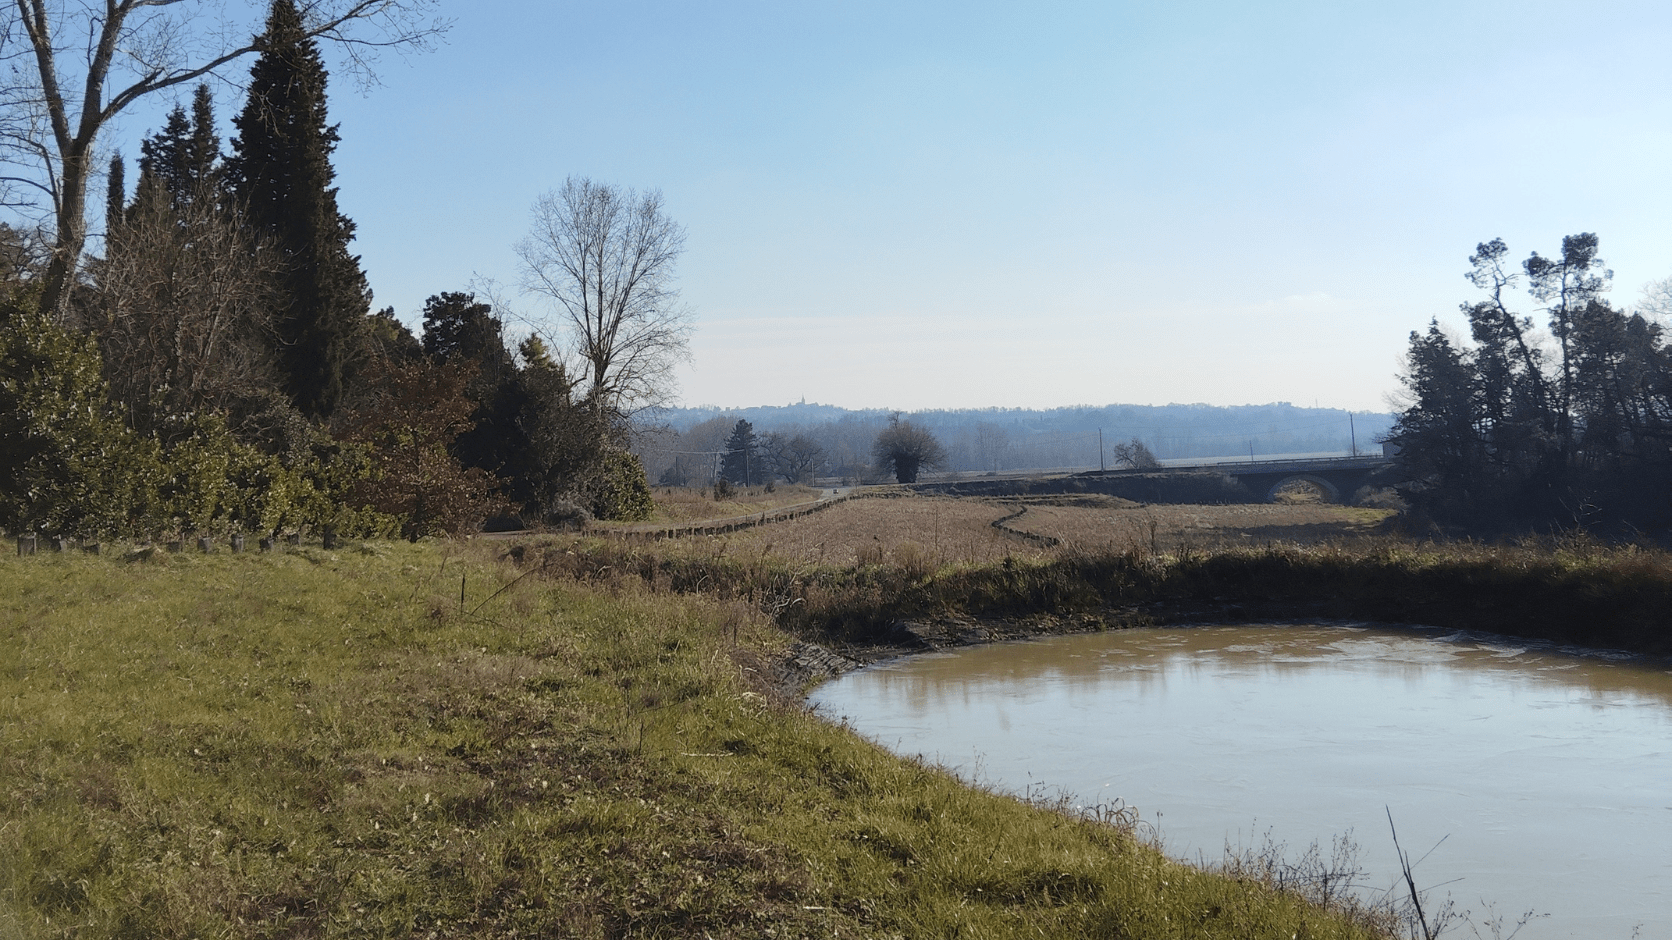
329	745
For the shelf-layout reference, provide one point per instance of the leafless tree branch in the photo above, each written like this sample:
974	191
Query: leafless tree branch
69	67
604	258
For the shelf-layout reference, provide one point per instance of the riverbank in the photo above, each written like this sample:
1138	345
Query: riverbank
480	740
1575	592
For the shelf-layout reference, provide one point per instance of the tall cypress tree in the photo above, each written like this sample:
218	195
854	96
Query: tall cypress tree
116	196
182	161
162	156
202	150
281	172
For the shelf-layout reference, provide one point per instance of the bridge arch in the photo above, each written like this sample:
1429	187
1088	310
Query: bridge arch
1331	491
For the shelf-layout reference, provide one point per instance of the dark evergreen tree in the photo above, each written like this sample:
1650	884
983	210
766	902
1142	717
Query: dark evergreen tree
201	153
183	159
567	448
1439	435
390	339
116	195
281	173
179	168
162	156
1507	434
741	463
458	326
460	331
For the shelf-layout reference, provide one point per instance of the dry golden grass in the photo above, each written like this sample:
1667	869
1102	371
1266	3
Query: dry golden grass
678	504
868	531
1167	528
948	530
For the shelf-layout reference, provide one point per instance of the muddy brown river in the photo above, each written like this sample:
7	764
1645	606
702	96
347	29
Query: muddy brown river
1547	774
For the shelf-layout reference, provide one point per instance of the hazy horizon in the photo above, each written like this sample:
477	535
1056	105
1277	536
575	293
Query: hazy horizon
711	406
1023	438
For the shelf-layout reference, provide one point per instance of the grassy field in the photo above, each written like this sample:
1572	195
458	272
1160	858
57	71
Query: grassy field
675	505
592	736
944	530
431	740
862	531
852	574
1161	528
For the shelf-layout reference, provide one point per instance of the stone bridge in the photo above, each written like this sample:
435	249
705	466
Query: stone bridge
1338	477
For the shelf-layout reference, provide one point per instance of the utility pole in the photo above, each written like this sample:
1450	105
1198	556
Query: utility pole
1101	466
1353	431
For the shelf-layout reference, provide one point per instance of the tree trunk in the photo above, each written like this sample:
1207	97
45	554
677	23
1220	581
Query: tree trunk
58	286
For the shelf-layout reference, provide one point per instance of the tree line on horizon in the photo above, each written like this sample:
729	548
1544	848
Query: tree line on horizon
679	446
219	368
902	450
1518	427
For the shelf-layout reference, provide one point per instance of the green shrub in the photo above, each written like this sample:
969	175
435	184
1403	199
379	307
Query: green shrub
622	492
397	460
200	490
67	463
70	465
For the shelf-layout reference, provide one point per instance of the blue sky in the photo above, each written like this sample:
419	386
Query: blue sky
915	205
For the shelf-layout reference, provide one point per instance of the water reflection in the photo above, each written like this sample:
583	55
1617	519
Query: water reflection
1550	773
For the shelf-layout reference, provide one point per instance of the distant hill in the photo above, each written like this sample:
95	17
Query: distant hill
997	439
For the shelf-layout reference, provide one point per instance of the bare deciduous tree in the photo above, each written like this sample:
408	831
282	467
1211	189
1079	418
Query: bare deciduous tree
1657	300
797	459
992	446
1135	455
605	258
185	309
22	254
72	66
